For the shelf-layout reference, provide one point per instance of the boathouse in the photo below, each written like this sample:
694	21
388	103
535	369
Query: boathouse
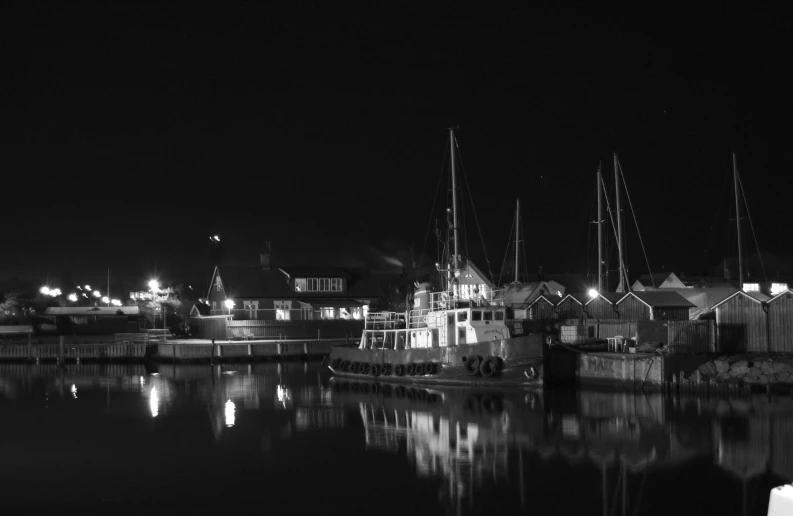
779	310
94	319
603	306
654	305
571	306
543	308
741	323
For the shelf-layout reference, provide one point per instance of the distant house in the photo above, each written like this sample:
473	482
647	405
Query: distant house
200	309
472	282
296	293
654	305
94	319
543	308
658	280
519	296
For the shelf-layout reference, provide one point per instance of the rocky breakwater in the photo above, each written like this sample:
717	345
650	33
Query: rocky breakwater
746	369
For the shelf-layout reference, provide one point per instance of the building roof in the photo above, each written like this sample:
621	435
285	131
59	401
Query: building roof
757	297
315	272
610	297
781	294
333	303
660	299
653	280
201	308
92	310
581	299
548	298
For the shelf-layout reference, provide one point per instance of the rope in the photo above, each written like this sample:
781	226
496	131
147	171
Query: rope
476	219
429	224
635	221
751	225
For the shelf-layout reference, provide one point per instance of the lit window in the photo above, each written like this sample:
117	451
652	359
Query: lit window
300	284
282	310
328	313
218	283
365	311
356	312
777	288
751	287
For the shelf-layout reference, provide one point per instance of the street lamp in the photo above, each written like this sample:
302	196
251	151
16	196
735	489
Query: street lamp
154	285
105	299
45	290
229	304
593	293
73	298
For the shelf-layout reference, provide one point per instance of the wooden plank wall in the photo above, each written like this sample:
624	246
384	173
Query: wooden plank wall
780	324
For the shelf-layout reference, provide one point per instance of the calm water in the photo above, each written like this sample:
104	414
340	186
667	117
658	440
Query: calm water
285	438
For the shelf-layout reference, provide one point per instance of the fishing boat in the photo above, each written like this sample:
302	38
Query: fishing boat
459	334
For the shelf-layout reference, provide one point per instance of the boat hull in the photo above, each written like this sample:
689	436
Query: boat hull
521	361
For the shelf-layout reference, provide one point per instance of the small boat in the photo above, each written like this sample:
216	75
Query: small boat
459	335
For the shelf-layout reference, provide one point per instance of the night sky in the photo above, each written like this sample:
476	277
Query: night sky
130	133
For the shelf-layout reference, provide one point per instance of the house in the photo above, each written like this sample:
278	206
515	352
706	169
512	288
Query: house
654	305
200	309
658	280
296	293
472	282
543	308
603	305
571	306
741	322
779	310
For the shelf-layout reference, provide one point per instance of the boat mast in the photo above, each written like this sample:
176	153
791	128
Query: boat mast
600	232
517	239
454	197
738	220
621	284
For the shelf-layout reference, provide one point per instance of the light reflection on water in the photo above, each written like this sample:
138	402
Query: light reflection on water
509	452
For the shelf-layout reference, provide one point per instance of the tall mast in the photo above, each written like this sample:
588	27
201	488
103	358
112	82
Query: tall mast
454	196
621	284
600	232
517	239
738	220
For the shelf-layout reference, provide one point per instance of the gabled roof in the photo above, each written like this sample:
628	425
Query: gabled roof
781	294
581	299
659	299
757	297
314	272
553	300
92	310
478	272
202	309
610	297
648	279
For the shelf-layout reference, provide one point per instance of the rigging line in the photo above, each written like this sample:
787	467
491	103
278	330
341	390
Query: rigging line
429	225
525	262
635	221
476	219
715	220
578	237
504	263
614	228
751	225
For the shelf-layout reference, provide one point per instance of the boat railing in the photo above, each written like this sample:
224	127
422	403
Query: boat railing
463	297
418	318
384	321
395	339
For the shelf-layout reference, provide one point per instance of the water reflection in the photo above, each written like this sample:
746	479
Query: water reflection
478	451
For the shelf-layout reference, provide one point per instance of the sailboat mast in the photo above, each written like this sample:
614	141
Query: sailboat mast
517	239
621	284
454	196
738	220
600	232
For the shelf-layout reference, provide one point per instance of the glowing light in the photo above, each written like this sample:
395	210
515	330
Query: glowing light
751	287
154	402
115	302
96	293
230	413
85	296
74	391
283	394
776	288
73	297
45	290
88	288
105	299
215	238
229	304
154	285
593	293
55	292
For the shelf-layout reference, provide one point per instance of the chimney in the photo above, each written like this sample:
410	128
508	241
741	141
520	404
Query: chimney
264	257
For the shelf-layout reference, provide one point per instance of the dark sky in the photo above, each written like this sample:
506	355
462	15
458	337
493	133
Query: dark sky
130	133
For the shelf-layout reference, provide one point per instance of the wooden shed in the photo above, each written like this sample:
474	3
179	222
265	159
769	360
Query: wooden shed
779	311
603	306
655	306
571	306
741	323
544	308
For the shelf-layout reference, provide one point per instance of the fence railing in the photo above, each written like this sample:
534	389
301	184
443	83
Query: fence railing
293	314
325	329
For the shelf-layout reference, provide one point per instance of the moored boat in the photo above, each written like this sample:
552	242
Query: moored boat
459	335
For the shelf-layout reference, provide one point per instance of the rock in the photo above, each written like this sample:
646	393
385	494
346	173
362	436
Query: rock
722	366
723	376
765	379
767	367
779	367
738	371
782	377
738	364
708	368
750	378
756	370
788	368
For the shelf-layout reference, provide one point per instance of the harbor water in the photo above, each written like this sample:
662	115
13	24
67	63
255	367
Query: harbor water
287	438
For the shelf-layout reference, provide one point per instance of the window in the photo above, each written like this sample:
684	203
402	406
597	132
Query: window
499	315
462	316
328	313
318	285
218	283
776	288
488	315
356	312
282	310
252	307
751	287
476	315
300	284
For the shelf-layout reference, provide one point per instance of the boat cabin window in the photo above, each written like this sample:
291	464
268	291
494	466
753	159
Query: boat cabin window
499	315
476	315
488	315
462	316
